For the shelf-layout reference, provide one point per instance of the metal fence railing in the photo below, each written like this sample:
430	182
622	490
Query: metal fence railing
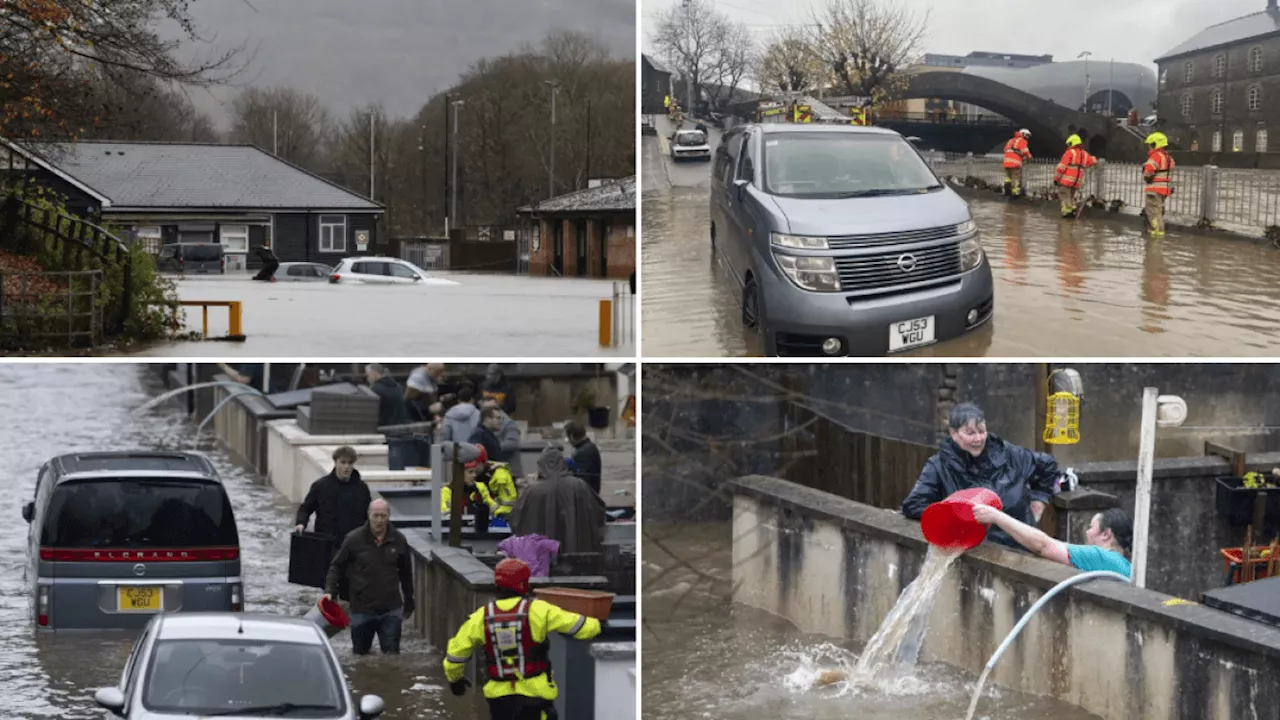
618	318
1245	201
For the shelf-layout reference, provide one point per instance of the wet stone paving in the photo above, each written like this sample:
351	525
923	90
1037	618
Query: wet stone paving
1095	286
46	410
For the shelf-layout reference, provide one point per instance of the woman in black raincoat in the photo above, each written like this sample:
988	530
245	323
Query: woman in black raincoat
1024	479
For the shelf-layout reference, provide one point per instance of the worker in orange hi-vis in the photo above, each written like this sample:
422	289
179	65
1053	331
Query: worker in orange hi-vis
1157	173
1016	153
1069	176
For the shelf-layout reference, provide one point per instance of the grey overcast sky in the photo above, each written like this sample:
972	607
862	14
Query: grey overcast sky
1129	30
397	52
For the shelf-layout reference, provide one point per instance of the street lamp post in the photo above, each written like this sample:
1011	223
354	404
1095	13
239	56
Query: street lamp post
453	201
551	164
1085	55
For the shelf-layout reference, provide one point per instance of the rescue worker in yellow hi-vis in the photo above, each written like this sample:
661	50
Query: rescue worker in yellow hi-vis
666	102
1157	173
1069	177
479	496
1016	153
497	478
512	631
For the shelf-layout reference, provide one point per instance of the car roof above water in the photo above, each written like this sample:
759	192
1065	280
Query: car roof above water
134	462
229	626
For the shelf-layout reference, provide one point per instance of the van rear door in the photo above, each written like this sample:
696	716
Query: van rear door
119	550
203	258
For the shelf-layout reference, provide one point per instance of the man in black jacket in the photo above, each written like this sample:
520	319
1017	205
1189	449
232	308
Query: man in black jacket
337	500
391	402
375	560
586	456
486	433
1024	479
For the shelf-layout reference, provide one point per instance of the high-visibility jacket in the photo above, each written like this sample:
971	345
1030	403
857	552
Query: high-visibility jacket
1016	151
666	101
479	494
1070	172
502	489
1157	172
543	618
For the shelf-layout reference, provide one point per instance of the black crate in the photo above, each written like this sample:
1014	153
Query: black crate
309	558
1234	501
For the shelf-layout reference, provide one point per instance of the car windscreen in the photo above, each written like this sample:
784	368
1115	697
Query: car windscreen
139	513
834	165
691	139
201	253
208	677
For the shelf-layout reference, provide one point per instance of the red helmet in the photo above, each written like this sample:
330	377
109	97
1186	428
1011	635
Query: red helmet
513	575
481	460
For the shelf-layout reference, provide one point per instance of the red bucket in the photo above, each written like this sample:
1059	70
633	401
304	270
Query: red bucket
330	616
949	524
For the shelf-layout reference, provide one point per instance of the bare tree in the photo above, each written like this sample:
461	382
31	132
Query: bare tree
51	51
734	58
141	107
688	36
789	63
293	124
865	43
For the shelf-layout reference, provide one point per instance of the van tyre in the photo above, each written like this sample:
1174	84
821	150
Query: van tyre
751	306
713	236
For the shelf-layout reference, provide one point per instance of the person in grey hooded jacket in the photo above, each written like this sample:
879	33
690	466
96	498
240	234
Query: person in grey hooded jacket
509	437
461	420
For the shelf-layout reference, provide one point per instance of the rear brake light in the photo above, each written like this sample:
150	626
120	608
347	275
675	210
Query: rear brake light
335	278
148	555
42	607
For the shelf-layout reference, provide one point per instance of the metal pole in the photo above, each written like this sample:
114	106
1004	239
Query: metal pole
453	199
1142	501
551	169
447	100
371	119
275	132
266	377
1111	91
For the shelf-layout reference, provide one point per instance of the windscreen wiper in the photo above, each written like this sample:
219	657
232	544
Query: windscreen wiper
280	709
881	192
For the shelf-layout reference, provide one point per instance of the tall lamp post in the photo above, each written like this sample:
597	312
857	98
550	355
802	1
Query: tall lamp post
453	200
551	165
1085	55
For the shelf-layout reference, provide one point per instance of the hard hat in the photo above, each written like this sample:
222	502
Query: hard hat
479	460
1157	140
1073	141
513	575
1024	133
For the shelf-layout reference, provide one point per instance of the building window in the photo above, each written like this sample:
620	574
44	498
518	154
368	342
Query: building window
1219	64
1186	104
1260	140
235	238
1255	60
150	237
1215	104
1255	97
333	233
1217	141
1237	141
1164	77
1188	71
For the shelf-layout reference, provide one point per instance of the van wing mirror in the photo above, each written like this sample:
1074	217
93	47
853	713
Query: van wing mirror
741	183
29	511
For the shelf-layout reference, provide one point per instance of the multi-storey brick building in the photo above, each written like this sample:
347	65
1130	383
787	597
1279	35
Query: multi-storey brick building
1220	90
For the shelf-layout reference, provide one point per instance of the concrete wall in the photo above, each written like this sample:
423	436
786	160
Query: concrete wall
836	567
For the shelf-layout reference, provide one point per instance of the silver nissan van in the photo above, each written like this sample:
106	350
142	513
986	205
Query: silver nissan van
118	537
841	240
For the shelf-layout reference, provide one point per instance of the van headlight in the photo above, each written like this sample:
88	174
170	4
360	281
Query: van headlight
971	254
799	242
966	227
817	274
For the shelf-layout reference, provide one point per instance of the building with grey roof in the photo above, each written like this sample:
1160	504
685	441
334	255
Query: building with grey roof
237	195
586	233
1220	88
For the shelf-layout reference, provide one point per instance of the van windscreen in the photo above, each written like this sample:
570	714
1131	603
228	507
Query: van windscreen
139	513
202	253
838	164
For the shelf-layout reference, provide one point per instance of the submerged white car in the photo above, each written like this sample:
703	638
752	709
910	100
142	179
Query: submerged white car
233	665
377	270
690	145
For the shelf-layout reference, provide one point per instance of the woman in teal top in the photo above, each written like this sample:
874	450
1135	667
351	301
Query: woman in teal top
1109	537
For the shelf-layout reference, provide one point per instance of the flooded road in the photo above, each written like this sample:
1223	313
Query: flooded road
705	657
535	316
1092	287
50	409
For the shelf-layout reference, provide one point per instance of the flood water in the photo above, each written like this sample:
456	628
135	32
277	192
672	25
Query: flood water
49	409
1090	287
705	657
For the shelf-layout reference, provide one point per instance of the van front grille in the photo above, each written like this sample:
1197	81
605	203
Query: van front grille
853	242
864	273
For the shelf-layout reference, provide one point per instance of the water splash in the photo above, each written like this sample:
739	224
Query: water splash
894	649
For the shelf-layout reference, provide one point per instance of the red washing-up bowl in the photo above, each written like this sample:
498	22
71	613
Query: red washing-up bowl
949	524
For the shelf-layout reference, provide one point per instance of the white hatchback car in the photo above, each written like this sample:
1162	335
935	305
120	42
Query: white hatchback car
233	665
377	270
690	145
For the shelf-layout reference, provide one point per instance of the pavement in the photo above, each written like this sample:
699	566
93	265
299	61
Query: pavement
458	315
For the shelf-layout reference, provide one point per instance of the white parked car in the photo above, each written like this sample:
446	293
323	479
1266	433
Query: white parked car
690	145
377	270
233	665
302	272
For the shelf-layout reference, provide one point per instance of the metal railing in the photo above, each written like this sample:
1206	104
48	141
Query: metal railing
58	308
1246	201
618	318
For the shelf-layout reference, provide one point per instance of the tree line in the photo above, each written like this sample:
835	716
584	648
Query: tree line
846	47
73	70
